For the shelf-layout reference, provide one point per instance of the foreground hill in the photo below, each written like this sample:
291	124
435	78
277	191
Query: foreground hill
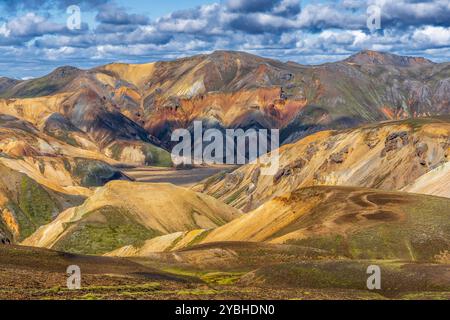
389	156
34	273
334	222
235	89
123	213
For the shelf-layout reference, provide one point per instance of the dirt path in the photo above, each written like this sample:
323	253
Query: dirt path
184	178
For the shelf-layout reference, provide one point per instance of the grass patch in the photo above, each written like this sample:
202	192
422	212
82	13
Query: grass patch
197	292
104	230
157	157
36	207
222	278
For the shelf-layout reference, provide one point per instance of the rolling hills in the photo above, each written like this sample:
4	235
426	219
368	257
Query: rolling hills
352	223
123	213
435	182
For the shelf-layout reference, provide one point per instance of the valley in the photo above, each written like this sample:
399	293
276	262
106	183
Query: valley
87	179
183	178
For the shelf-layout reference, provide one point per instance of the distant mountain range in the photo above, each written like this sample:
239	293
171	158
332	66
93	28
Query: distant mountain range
226	89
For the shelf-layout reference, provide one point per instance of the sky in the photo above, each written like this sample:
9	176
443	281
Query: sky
37	36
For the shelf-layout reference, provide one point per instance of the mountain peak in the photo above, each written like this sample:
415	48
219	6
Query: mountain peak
65	70
383	58
223	54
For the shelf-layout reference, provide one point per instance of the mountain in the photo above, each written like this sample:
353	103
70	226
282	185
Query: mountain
368	57
363	179
34	273
106	222
65	161
388	156
54	82
7	83
85	119
234	89
45	172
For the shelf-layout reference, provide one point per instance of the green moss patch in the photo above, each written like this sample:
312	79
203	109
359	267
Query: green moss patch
157	157
104	230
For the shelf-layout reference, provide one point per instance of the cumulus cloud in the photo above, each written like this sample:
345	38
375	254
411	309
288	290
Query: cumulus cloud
407	13
114	15
315	32
246	6
29	26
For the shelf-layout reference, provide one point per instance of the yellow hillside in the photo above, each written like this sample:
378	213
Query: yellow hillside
136	74
122	213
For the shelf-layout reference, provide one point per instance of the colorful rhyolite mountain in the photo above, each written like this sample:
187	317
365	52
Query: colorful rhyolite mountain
65	134
330	194
144	103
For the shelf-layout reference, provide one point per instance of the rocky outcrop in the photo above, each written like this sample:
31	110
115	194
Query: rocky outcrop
4	240
289	170
340	156
395	141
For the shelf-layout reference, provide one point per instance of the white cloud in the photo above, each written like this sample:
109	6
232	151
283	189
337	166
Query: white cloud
4	31
322	30
432	36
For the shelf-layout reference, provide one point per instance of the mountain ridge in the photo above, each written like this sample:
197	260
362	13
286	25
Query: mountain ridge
361	54
237	89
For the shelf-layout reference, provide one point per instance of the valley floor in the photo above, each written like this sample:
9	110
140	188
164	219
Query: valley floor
184	178
31	273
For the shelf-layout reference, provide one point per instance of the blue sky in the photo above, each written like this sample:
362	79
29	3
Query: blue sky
35	39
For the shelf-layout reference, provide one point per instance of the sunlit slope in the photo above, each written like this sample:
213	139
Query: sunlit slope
136	74
87	120
387	156
123	213
53	162
436	182
355	223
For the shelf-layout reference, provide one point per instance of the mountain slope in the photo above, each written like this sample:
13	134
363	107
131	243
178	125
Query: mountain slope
436	182
44	173
25	205
50	84
87	120
355	223
106	222
387	156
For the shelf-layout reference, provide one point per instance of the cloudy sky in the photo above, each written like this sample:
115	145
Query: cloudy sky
35	36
